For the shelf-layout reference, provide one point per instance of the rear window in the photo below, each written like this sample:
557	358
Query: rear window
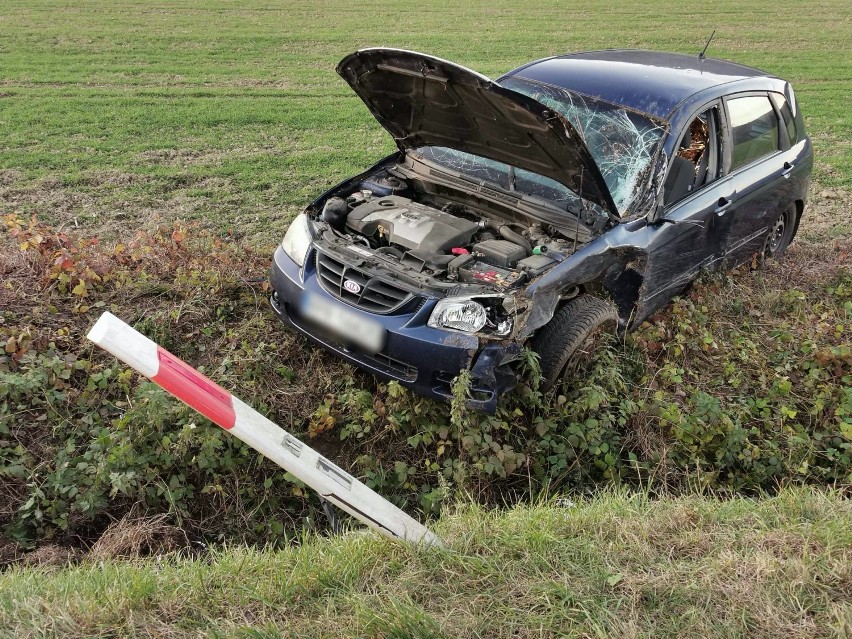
754	129
787	116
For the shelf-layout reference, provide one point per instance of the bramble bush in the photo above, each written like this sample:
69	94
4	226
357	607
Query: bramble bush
740	386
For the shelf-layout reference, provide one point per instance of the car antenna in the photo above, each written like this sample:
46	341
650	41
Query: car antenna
701	55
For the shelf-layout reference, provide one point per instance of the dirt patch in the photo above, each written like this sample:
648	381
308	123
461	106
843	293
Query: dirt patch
114	178
10	176
207	157
10	552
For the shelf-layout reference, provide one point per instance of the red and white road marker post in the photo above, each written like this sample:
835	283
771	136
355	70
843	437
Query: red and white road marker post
214	402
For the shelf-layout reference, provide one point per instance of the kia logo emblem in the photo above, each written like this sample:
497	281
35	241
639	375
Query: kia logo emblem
352	286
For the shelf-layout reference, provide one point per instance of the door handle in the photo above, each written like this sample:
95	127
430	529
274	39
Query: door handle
722	205
788	169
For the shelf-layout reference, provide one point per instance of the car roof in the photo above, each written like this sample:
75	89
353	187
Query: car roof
650	81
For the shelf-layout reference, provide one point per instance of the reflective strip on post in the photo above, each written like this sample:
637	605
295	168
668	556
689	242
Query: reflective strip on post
241	420
194	389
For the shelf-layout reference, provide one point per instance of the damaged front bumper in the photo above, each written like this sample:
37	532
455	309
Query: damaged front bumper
417	356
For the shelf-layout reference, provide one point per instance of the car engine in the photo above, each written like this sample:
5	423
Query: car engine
448	244
410	225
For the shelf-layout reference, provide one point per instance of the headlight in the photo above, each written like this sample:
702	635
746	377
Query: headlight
470	316
297	240
462	315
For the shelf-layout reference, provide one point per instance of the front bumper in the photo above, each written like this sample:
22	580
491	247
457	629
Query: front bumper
420	357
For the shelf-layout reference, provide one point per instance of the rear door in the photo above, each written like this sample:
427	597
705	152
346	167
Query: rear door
756	167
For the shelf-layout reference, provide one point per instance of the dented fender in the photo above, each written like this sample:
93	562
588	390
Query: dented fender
609	265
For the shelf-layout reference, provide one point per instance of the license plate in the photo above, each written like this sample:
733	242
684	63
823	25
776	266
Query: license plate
343	323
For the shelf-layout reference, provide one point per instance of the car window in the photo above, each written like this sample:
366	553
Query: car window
787	116
754	129
471	165
696	161
540	186
507	177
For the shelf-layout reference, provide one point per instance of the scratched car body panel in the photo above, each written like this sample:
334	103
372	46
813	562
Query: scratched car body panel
574	194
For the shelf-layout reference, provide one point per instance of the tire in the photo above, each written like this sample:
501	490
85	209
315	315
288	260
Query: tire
565	343
780	235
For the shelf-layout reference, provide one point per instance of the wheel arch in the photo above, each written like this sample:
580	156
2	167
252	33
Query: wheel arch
619	278
800	209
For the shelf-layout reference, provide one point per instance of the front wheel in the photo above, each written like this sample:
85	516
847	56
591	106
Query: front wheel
780	236
566	342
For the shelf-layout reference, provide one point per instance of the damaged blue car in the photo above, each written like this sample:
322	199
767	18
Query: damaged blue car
574	195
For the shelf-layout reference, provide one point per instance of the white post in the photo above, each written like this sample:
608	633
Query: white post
245	423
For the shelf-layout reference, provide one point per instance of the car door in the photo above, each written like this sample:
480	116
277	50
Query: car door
692	231
795	159
755	157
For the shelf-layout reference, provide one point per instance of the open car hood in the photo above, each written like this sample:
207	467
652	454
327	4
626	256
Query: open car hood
426	101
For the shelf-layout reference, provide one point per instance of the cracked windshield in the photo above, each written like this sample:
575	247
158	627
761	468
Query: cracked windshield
505	176
621	143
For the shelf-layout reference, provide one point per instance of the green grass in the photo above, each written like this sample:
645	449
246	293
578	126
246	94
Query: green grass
230	113
617	565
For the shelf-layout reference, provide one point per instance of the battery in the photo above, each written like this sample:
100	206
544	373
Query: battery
476	272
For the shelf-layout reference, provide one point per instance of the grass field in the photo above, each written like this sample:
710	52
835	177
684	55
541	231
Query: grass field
615	566
230	113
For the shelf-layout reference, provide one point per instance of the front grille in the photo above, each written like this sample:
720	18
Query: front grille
373	295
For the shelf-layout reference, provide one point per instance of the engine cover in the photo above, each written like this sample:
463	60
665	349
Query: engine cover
409	224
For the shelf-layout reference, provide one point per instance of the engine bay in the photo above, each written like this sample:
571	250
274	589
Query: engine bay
442	243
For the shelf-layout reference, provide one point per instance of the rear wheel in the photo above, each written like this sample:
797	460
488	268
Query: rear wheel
565	344
780	235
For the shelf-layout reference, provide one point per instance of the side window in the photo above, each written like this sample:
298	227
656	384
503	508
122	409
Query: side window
754	129
696	162
786	115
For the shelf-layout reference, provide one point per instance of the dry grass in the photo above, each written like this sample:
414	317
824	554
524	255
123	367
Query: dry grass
135	537
50	556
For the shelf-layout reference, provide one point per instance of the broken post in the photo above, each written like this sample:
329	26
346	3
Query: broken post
218	405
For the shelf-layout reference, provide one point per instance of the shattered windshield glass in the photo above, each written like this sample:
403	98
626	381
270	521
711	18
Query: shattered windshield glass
620	141
508	177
